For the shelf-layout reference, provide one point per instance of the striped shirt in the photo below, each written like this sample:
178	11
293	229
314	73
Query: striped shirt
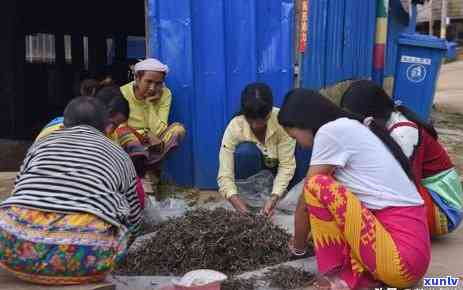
79	170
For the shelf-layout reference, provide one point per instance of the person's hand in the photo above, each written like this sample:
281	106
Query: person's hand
239	205
270	205
146	139
154	98
153	143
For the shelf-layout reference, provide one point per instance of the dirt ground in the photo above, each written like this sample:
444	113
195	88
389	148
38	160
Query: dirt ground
12	154
450	88
450	129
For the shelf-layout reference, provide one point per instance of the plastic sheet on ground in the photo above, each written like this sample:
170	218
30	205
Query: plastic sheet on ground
256	189
156	212
151	212
284	221
172	208
160	282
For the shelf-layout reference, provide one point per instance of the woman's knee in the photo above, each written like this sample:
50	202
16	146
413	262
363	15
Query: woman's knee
248	160
247	149
179	129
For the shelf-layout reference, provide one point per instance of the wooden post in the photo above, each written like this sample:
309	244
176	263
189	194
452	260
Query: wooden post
77	51
120	44
59	50
96	52
443	21
58	95
77	55
431	22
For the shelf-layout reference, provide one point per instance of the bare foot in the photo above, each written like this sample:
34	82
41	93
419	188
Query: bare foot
330	283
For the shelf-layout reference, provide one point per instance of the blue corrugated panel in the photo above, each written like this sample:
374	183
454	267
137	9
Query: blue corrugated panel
215	48
210	89
335	36
340	42
241	57
171	38
397	24
367	25
313	66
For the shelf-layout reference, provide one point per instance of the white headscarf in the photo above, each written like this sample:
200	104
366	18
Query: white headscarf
151	64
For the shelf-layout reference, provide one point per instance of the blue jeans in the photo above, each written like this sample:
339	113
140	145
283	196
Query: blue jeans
249	161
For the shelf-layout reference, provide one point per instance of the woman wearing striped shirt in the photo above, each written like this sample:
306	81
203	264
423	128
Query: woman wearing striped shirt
74	205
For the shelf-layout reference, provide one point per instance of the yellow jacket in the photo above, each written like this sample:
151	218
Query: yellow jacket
278	147
144	115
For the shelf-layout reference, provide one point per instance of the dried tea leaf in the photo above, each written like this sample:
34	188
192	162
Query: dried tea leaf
219	239
239	284
287	278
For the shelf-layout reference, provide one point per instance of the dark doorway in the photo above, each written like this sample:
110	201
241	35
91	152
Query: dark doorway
48	47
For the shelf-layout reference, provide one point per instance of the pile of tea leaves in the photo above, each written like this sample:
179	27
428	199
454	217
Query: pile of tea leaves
287	278
239	284
219	239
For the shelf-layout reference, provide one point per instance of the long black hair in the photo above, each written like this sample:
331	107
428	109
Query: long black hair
307	109
88	87
256	101
366	98
111	96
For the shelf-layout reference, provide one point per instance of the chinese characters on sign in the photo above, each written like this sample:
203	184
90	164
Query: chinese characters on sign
304	25
417	60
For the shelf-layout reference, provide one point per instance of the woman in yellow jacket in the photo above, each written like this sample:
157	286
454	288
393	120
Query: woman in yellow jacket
148	133
255	141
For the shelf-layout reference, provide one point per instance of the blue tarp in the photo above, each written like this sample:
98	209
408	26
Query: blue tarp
397	24
341	36
214	48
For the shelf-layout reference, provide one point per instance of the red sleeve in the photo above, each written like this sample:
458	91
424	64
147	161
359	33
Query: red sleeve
431	157
140	192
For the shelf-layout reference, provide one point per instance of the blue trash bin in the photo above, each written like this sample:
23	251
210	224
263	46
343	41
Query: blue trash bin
418	64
